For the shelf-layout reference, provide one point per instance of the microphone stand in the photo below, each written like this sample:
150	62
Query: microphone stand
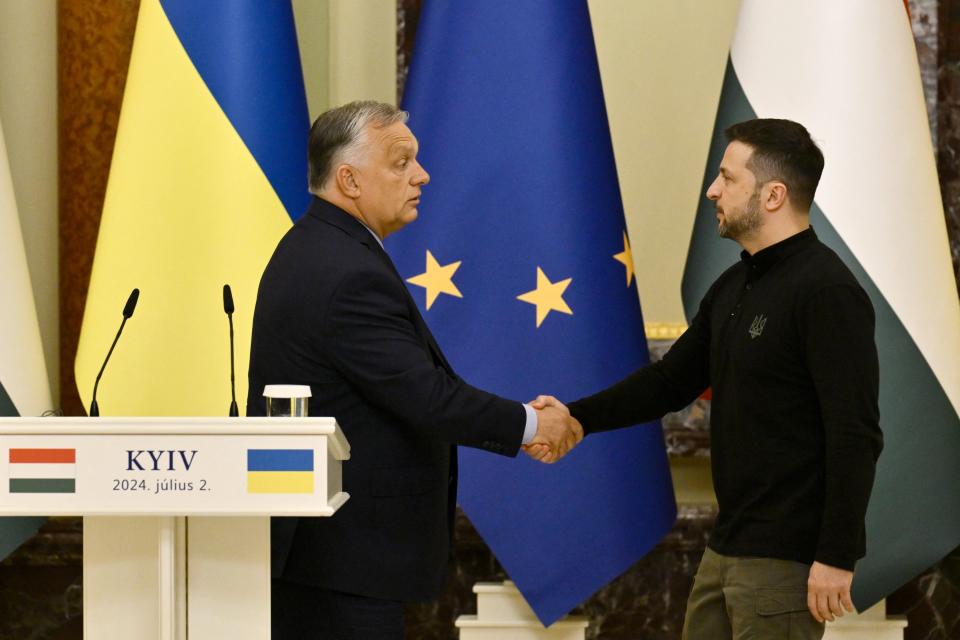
234	412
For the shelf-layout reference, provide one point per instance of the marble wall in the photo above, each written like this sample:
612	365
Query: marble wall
94	40
948	116
41	595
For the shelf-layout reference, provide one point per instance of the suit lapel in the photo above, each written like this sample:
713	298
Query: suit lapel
334	215
418	320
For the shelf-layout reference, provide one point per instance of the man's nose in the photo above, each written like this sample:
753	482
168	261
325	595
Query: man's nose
713	191
421	177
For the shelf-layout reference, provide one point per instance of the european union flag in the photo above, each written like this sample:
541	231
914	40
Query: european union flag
521	263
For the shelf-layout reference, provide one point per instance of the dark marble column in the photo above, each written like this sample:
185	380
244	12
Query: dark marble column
408	15
40	585
948	119
926	32
94	40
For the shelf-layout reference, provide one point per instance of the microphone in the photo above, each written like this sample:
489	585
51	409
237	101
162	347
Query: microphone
127	314
228	309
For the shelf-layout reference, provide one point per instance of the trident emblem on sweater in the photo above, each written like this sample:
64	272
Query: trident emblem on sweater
756	327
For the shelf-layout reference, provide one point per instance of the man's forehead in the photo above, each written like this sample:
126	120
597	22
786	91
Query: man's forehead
736	156
396	135
737	150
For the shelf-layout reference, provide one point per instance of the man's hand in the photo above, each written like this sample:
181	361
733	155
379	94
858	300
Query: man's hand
828	592
557	431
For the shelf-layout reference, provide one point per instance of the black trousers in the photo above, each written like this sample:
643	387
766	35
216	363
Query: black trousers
302	612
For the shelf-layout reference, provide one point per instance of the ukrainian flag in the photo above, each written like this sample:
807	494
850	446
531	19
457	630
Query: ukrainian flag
209	169
279	471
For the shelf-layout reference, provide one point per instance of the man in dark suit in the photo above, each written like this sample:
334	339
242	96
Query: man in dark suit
333	313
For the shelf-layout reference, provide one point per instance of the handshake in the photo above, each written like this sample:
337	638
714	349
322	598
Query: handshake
557	431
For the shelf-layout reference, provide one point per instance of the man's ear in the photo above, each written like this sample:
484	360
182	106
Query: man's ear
776	195
347	182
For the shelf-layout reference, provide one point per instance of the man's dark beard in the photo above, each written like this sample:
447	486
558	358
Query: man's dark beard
745	222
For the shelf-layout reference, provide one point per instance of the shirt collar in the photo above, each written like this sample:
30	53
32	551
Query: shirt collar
373	233
332	214
762	260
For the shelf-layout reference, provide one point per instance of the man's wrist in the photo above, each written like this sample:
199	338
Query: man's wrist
530	428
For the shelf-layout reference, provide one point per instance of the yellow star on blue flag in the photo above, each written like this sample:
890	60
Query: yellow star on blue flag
548	296
437	279
625	257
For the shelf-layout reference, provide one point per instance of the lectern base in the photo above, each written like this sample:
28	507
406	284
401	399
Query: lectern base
872	624
503	614
121	552
136	581
229	578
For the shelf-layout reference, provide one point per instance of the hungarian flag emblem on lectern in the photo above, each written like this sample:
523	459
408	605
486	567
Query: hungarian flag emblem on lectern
43	470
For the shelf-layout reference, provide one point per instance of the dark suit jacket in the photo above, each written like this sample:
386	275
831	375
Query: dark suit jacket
333	313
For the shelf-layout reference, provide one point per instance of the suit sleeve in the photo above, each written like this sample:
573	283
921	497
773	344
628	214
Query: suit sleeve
842	357
650	392
373	343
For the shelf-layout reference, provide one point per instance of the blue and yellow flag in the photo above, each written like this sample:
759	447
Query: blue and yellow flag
521	264
209	169
280	471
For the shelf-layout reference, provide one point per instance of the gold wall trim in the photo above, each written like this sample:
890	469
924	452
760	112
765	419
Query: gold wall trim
664	330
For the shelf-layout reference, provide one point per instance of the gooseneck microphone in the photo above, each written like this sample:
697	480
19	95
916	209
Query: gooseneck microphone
228	309
127	314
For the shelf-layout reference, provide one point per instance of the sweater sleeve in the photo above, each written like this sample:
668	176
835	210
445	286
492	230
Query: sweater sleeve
650	392
838	323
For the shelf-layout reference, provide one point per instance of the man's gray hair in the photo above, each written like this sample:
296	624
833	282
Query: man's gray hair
338	135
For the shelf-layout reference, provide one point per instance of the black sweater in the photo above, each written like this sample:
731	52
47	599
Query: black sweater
785	338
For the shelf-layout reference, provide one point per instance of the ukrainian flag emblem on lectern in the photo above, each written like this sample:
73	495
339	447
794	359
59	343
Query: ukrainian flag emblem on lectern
279	471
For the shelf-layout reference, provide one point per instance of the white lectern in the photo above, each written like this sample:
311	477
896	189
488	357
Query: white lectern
176	529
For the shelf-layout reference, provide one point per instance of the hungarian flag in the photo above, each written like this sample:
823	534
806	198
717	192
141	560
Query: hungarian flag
42	470
24	386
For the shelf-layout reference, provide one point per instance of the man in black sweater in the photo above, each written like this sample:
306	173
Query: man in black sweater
785	339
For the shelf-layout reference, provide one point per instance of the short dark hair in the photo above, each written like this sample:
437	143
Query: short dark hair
782	150
339	131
